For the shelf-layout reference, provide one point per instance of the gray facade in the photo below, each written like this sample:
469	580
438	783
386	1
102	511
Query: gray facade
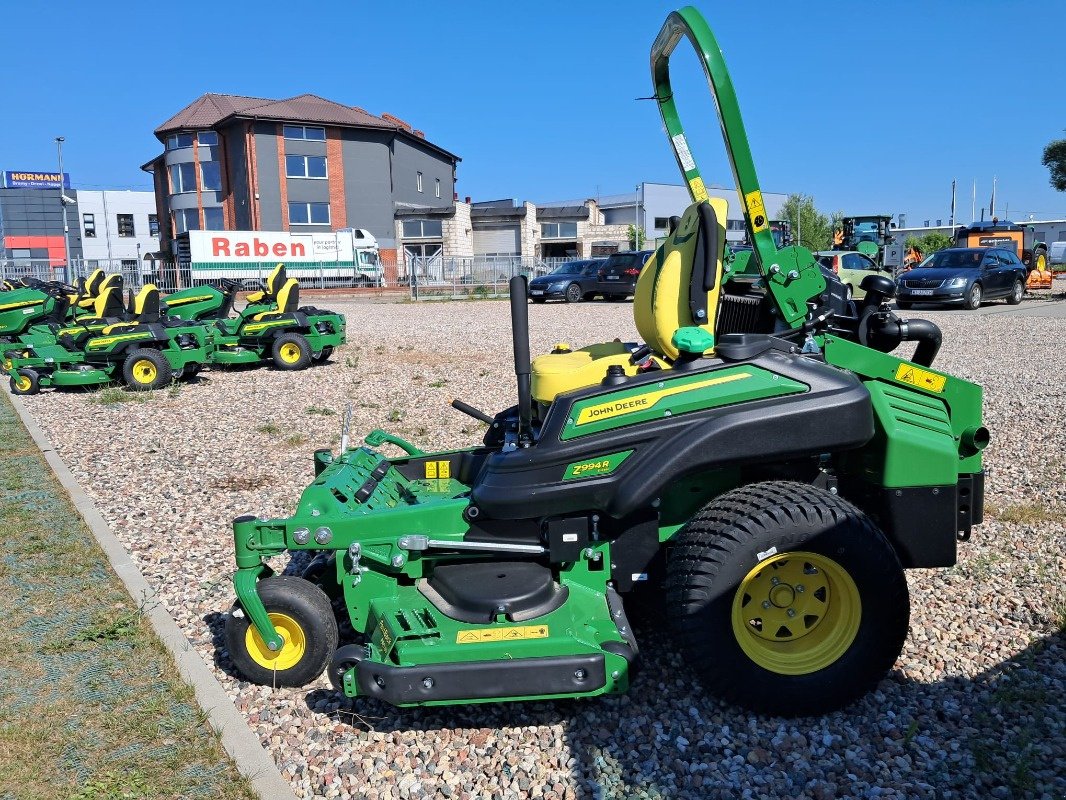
37	214
368	183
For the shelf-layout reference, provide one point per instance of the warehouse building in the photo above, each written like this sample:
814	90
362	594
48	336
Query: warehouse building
303	164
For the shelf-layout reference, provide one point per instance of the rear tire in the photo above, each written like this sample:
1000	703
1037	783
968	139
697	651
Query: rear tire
1016	293
291	351
146	369
756	634
26	382
973	297
573	293
303	616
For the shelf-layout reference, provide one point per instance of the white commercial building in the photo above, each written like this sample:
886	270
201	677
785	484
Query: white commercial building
117	227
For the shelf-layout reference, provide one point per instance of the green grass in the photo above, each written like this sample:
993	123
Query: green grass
1025	514
437	384
91	707
321	412
295	440
270	429
113	395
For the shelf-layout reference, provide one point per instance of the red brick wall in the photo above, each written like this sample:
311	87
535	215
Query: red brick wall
338	212
388	265
282	180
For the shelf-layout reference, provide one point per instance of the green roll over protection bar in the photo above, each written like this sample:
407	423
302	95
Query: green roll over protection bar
791	273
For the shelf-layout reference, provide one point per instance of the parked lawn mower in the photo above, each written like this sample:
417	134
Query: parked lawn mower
136	345
760	459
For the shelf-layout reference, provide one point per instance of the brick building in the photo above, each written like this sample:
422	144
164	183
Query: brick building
303	165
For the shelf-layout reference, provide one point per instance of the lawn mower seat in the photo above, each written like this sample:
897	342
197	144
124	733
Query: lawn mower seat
288	300
274	283
681	280
143	309
108	304
89	288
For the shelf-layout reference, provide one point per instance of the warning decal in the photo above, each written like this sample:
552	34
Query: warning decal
756	211
512	634
438	469
684	155
923	379
698	190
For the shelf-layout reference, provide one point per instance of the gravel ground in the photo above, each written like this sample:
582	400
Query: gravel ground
972	709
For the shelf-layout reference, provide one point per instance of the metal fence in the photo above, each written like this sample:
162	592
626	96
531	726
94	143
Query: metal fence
439	277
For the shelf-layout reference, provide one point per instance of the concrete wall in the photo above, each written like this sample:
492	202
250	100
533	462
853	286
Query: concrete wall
368	183
269	183
105	206
408	159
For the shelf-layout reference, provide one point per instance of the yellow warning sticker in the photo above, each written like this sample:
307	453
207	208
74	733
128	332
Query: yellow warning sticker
438	469
923	379
756	211
514	633
699	191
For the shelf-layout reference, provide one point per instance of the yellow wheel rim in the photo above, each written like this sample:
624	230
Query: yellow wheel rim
144	371
1041	263
7	363
294	644
290	353
796	613
23	383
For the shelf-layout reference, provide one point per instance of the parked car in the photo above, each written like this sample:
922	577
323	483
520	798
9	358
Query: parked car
1057	255
618	275
572	281
851	267
964	276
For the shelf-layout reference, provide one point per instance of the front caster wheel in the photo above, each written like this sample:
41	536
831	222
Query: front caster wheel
303	617
787	599
25	381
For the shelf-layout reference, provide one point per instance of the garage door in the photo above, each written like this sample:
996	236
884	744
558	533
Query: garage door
503	240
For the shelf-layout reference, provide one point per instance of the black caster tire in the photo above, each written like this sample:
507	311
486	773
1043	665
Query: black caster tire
25	382
323	354
786	599
146	369
291	351
303	616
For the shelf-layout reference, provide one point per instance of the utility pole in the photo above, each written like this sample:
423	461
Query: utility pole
636	217
63	202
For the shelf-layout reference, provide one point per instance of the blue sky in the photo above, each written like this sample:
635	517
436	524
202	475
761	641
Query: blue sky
870	108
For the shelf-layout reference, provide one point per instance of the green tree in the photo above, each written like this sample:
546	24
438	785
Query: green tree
1055	161
810	228
929	243
636	236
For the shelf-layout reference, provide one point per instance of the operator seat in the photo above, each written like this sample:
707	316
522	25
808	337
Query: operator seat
678	287
143	310
274	283
288	300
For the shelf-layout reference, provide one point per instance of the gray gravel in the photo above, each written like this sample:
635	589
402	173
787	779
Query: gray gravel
972	709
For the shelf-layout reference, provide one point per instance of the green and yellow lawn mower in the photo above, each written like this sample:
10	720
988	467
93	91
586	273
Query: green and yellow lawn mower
273	326
759	459
135	345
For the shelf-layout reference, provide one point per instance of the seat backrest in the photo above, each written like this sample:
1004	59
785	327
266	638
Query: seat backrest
108	303
146	304
683	278
288	297
90	285
276	280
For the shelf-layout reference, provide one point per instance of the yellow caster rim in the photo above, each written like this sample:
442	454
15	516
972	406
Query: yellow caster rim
144	371
22	383
290	353
294	644
796	613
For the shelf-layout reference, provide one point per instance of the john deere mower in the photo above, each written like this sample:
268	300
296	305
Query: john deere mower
759	459
272	326
133	344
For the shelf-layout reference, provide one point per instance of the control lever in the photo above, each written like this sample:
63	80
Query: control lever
470	411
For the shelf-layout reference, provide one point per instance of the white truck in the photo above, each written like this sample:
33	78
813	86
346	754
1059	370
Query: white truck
348	256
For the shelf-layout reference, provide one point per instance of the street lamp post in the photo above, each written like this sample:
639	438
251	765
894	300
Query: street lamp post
63	202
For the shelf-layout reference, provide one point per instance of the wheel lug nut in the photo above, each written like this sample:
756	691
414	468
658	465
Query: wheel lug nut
799	587
791	612
775	581
765	603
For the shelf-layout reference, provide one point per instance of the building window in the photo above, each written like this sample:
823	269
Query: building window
303	132
1041	236
438	187
125	225
182	178
558	230
207	137
211	175
213	218
1062	236
662	223
422	229
734	224
88	222
176	141
305	167
129	263
186	219
309	213
153	225
418	182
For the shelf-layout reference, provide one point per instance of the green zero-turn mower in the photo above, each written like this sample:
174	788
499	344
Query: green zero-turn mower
272	326
135	345
759	459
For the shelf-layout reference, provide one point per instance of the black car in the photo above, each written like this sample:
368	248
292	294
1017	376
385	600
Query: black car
618	275
572	281
963	276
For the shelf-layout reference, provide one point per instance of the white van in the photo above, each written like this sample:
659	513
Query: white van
1057	253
